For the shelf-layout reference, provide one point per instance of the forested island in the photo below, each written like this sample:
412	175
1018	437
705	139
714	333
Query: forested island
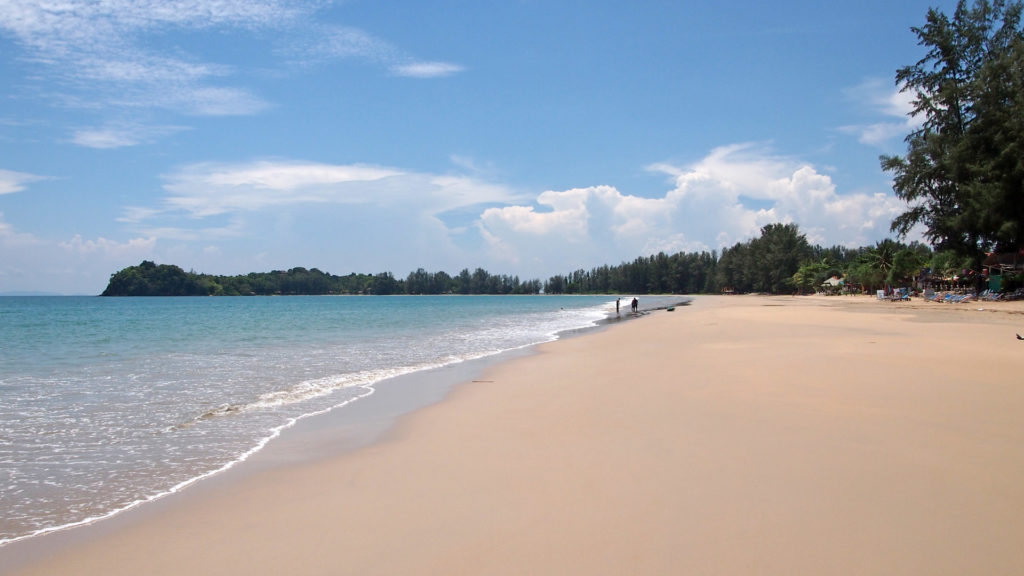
150	279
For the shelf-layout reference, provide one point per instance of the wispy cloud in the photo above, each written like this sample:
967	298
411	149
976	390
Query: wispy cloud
121	135
99	47
11	238
427	69
110	55
11	181
331	42
341	42
210	190
887	101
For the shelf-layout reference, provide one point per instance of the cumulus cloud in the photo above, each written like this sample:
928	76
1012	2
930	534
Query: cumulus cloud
75	266
595	224
722	199
133	247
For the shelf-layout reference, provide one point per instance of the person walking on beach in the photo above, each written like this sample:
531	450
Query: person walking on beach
617	300
635	305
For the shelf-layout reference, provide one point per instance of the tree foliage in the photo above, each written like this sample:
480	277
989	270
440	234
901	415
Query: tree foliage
888	264
764	264
779	261
963	173
150	279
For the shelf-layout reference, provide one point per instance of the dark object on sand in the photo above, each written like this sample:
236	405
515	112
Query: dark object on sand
1019	337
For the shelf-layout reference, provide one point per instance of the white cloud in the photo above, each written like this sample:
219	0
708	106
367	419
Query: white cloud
97	47
206	191
11	181
217	101
722	199
210	189
744	187
75	266
9	237
884	100
880	133
427	69
104	138
121	135
133	247
566	228
340	42
100	50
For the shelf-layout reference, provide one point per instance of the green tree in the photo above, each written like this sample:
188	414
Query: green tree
810	275
733	270
962	176
777	256
906	265
383	284
149	279
462	282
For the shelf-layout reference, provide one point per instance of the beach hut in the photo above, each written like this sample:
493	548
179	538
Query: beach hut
833	285
998	265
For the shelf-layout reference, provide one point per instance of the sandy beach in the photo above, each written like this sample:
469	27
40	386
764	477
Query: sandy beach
737	435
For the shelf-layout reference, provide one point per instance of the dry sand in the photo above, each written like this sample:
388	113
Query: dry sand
739	435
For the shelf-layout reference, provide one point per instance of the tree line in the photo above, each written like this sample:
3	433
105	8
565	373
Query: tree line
151	279
779	261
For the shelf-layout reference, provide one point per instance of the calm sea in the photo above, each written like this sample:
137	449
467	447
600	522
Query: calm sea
110	402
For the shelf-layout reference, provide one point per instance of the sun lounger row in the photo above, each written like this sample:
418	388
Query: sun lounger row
949	297
991	296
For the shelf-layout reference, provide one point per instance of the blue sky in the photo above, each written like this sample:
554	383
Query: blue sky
530	137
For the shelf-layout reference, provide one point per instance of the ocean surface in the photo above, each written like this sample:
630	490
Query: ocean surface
106	403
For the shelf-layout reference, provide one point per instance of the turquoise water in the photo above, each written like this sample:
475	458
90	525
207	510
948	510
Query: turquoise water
106	403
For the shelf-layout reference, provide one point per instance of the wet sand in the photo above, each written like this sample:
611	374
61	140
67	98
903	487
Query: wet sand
737	435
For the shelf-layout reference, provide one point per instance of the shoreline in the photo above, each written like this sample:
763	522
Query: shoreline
333	431
594	402
429	380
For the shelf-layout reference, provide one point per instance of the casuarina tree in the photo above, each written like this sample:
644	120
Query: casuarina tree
963	173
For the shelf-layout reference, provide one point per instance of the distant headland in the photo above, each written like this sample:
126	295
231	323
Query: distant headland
151	279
